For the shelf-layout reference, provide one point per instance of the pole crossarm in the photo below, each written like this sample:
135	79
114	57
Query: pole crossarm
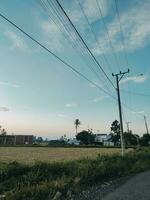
121	74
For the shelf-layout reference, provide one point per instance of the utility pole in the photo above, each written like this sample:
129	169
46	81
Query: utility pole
119	76
146	125
128	129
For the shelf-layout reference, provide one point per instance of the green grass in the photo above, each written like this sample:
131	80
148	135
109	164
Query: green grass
44	180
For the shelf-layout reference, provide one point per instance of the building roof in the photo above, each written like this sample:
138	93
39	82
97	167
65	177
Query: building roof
101	134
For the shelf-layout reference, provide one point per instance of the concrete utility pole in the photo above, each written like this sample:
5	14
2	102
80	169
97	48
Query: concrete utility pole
128	129
146	125
119	76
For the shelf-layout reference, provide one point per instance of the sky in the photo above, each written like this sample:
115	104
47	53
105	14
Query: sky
40	95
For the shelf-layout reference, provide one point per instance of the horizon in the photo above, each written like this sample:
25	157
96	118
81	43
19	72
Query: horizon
40	95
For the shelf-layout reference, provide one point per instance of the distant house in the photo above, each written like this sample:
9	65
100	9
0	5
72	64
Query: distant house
100	137
73	141
104	139
23	139
108	141
16	139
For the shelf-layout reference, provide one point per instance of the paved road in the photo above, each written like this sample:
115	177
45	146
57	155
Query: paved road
136	188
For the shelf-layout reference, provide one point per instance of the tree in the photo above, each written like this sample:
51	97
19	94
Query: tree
115	132
130	139
86	137
3	132
77	123
145	140
39	140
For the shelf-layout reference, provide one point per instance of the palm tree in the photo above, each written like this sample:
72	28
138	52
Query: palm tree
77	124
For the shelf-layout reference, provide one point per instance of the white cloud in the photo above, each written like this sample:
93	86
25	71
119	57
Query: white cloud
134	20
4	109
136	29
52	35
135	79
9	84
61	115
70	105
98	99
92	10
138	112
17	41
96	82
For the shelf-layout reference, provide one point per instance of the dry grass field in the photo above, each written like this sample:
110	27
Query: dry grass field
29	155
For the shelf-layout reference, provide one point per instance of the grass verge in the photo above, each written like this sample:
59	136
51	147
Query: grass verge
62	180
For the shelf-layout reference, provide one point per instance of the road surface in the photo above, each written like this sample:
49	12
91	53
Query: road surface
134	188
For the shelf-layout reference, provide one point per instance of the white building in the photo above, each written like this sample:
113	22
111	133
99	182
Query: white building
73	141
104	138
100	137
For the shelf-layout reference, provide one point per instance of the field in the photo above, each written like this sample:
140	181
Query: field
29	155
44	180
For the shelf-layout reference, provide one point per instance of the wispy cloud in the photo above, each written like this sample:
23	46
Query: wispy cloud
17	41
136	28
4	109
9	84
70	105
52	35
91	10
136	79
61	115
98	99
138	112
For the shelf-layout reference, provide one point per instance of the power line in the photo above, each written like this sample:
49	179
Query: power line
127	107
107	32
95	37
121	31
63	61
52	53
123	40
69	33
85	43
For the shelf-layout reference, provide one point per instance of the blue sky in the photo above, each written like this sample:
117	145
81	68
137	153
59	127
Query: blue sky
41	96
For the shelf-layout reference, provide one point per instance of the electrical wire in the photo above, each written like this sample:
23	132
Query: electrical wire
52	53
121	31
107	33
95	37
96	61
69	34
63	61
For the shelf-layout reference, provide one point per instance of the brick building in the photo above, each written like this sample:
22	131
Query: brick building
16	139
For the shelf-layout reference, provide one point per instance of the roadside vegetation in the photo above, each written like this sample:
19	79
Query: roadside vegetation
61	180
